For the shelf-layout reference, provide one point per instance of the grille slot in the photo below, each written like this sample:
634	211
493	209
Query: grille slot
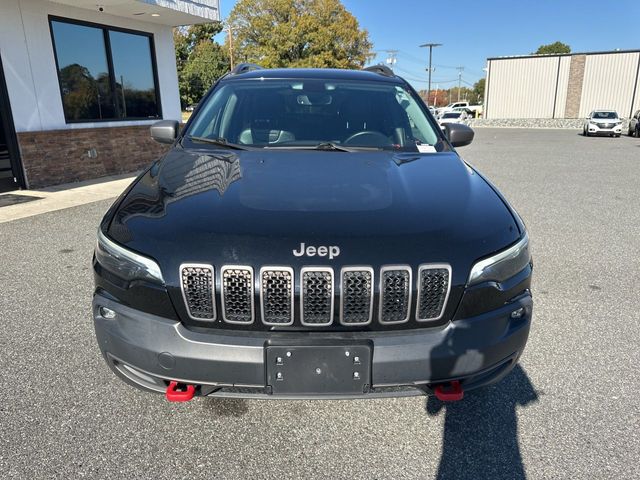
434	283
276	295
316	296
395	294
197	283
237	294
356	301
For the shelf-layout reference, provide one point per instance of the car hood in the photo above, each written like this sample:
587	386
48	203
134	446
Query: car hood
257	207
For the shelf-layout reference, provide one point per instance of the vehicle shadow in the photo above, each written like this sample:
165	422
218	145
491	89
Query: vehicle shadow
480	438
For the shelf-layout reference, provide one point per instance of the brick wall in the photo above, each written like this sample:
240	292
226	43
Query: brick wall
574	88
61	156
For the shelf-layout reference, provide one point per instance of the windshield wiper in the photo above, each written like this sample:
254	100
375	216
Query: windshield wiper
220	142
328	146
332	147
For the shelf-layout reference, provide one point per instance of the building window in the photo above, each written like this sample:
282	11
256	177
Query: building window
105	73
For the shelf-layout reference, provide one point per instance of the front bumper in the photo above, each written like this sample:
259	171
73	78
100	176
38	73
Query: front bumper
148	351
595	130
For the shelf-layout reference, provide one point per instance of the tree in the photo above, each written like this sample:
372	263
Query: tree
298	33
478	90
206	63
553	48
199	60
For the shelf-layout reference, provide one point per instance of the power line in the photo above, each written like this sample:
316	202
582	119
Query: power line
412	57
414	79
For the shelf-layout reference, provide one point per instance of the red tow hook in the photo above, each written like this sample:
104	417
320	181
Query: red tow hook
179	392
452	393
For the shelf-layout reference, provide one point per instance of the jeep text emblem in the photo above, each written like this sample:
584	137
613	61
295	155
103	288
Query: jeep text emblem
321	251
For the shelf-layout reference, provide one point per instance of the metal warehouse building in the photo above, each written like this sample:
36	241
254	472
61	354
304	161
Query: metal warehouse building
562	86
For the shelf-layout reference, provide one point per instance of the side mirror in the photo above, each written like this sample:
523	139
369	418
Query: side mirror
165	131
458	134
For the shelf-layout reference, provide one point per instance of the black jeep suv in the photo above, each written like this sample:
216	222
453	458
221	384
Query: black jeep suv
311	233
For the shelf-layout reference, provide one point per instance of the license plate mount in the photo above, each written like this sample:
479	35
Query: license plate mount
317	370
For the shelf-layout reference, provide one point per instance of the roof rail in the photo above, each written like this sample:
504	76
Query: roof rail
244	68
381	70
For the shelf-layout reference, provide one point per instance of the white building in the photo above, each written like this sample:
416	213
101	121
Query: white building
81	80
562	86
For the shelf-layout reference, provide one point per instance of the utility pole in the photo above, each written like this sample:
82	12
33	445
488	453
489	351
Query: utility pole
391	59
430	45
460	70
230	33
435	97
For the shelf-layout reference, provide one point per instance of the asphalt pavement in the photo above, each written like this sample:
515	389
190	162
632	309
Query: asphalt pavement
569	410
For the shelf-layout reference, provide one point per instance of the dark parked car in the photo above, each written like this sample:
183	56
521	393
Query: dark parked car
311	233
634	125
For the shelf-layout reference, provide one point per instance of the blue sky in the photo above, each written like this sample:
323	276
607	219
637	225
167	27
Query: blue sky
471	31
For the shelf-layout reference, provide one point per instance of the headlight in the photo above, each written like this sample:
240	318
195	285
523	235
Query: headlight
502	265
124	263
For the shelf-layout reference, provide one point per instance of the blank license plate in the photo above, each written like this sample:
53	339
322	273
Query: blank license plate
319	369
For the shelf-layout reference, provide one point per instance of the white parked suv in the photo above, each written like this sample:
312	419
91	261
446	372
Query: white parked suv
473	110
602	122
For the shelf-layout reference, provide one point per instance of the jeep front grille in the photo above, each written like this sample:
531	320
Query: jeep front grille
395	294
316	296
356	301
237	294
276	286
276	295
197	284
433	290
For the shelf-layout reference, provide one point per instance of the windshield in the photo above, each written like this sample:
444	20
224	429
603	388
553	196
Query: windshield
605	115
451	115
311	112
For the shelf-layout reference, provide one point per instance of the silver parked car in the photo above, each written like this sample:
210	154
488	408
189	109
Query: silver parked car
602	122
452	117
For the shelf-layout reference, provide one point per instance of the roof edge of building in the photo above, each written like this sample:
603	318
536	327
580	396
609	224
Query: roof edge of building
551	55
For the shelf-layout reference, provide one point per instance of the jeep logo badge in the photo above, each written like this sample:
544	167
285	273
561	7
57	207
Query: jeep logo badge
321	251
